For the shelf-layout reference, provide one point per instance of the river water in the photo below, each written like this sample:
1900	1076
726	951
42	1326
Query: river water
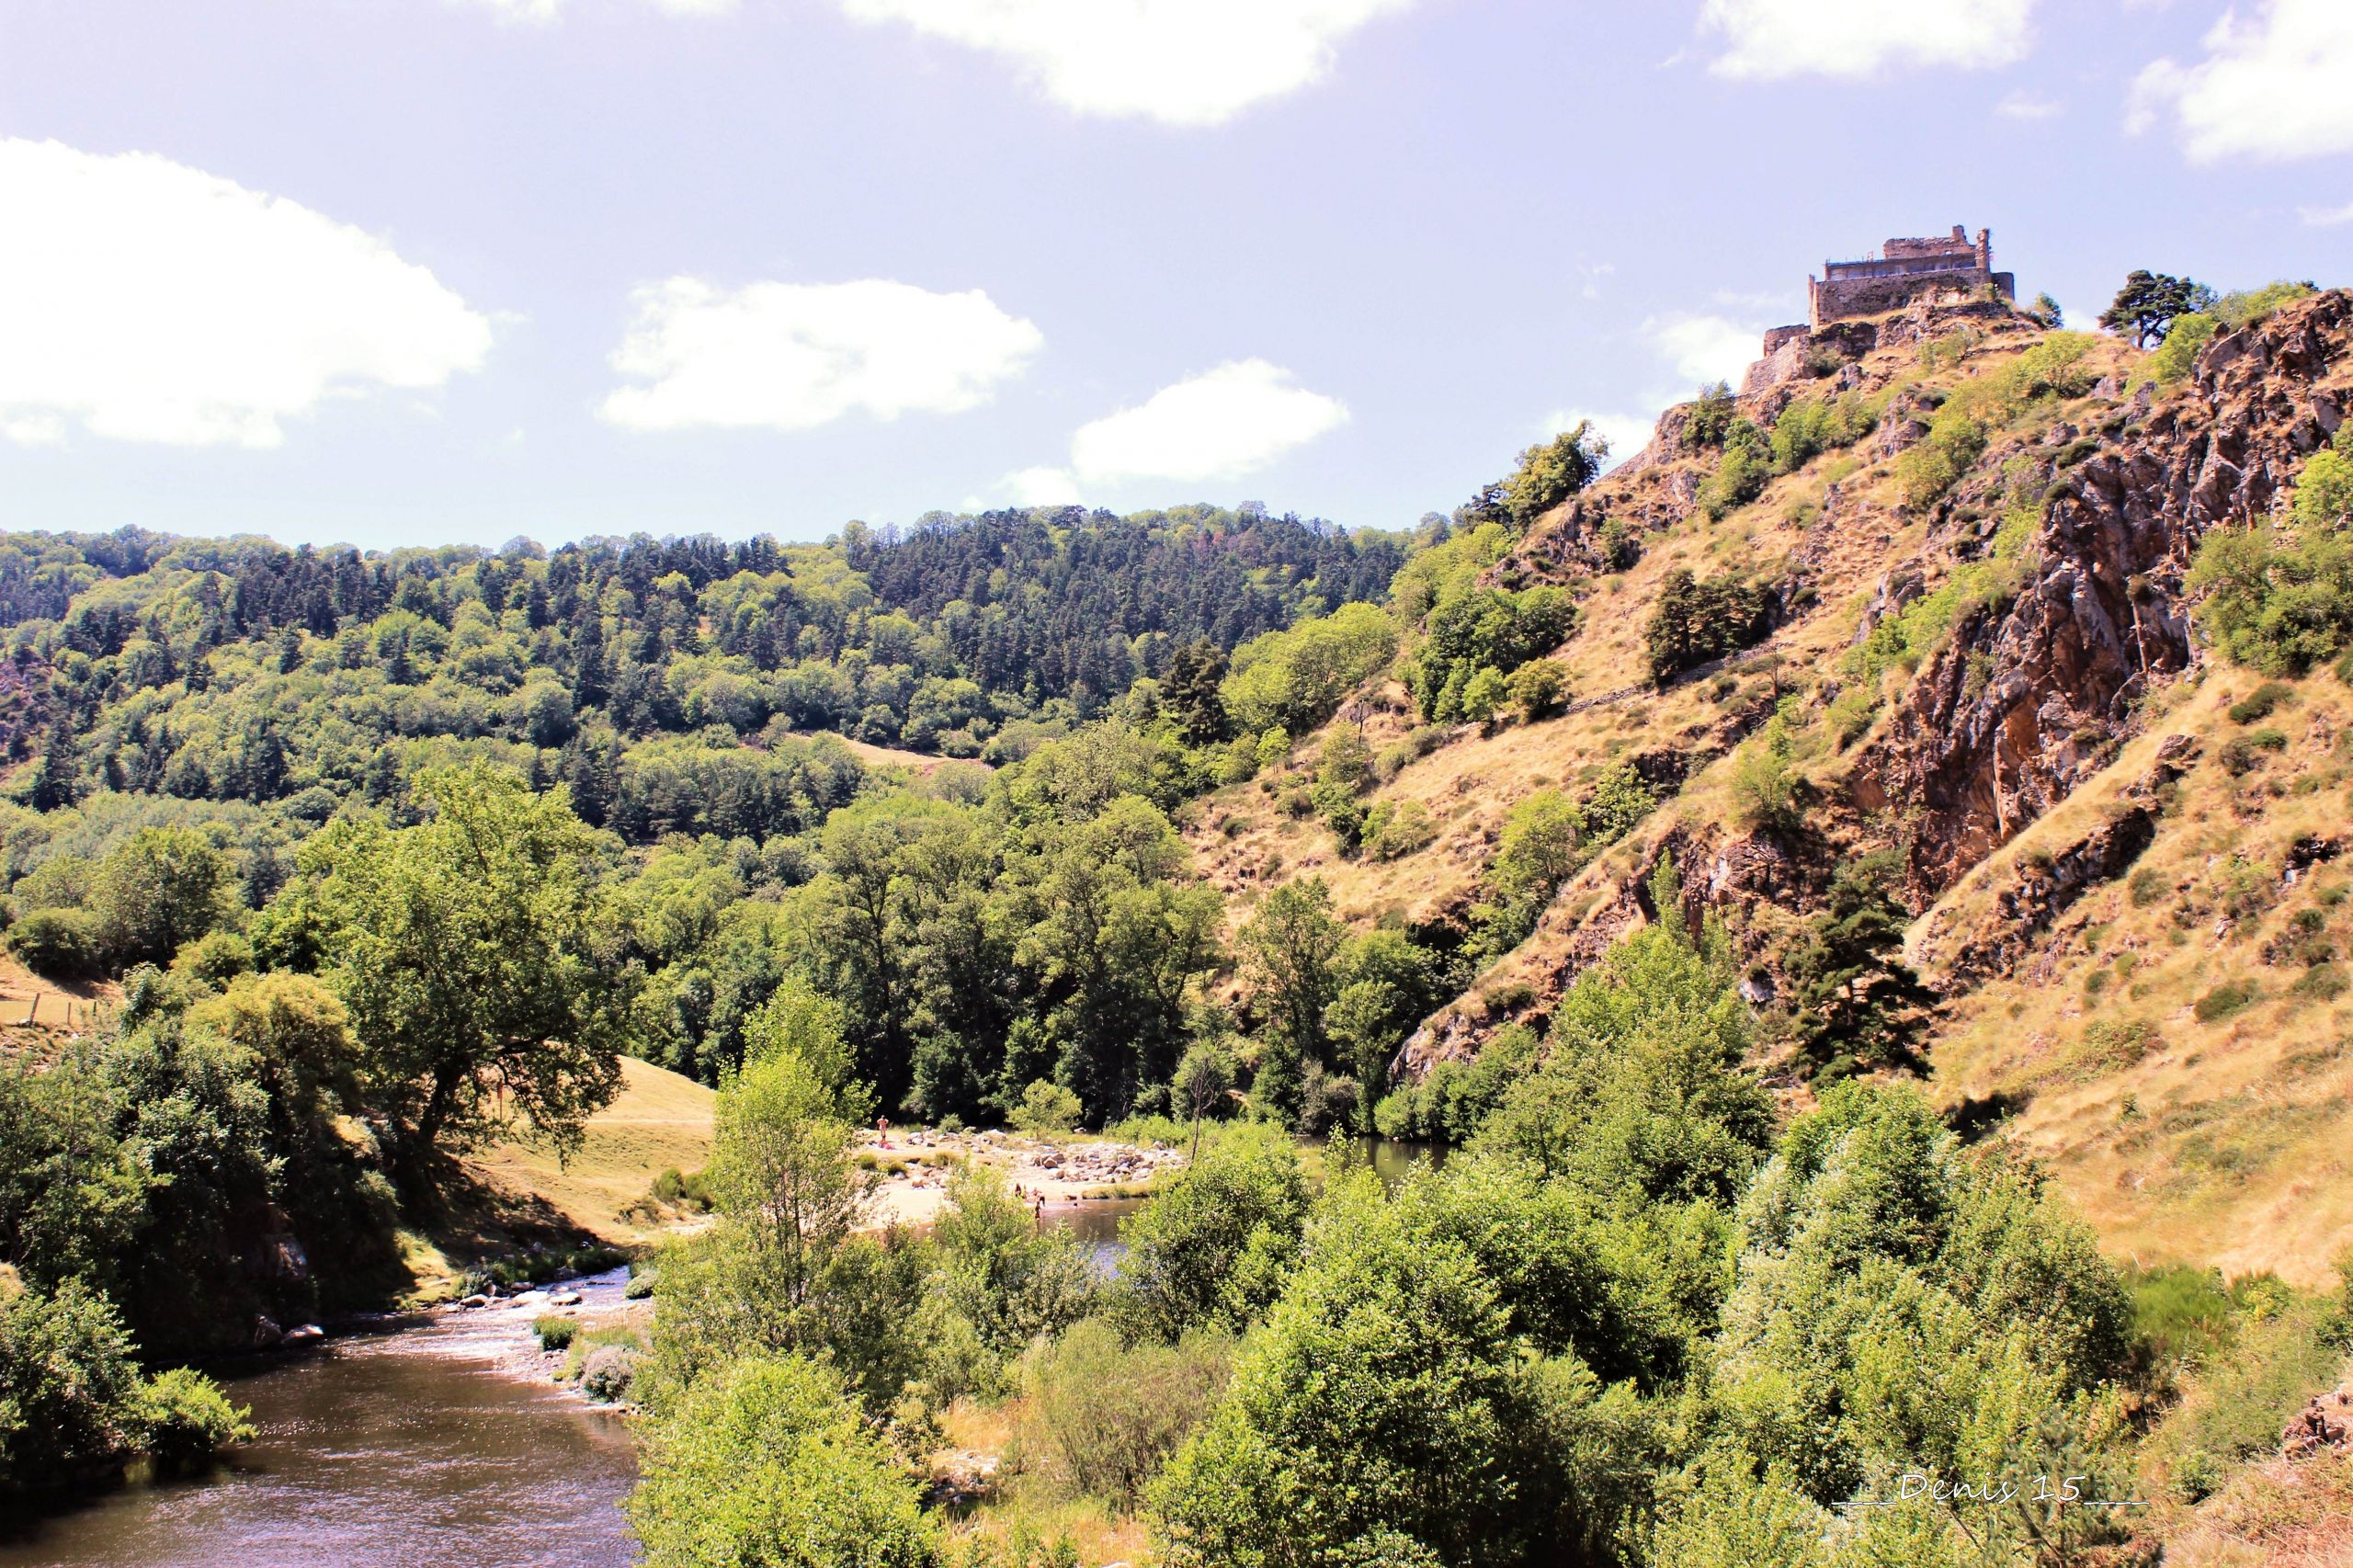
412	1447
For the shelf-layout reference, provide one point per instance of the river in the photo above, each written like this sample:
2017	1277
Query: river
410	1447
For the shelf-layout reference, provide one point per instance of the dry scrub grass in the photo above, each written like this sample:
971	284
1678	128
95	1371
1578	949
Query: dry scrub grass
2224	1139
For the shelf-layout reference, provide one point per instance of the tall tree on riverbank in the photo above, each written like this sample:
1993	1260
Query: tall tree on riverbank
475	952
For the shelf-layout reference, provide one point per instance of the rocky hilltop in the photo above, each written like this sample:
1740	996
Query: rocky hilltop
1974	643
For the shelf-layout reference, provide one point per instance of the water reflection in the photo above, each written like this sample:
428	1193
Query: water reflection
399	1450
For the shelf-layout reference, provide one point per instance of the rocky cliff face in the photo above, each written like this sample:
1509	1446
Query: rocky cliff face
2023	703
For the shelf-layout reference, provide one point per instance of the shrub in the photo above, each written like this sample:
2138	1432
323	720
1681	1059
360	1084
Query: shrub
1934	465
687	1191
1740	476
72	1394
186	1419
2322	983
766	1460
2147	886
1812	426
2245	754
608	1373
1482	695
2178	355
555	1331
216	958
2252	307
2276	1349
2224	1000
2261	702
1101	1419
2324	498
1710	417
1550	474
1046	1107
1763	781
2113	1044
1620	799
1392	832
1214	1248
58	944
1536	687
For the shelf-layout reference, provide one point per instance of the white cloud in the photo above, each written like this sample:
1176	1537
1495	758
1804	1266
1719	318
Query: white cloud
2278	83
1626	433
522	10
2022	105
1769	39
795	356
1042	487
2325	217
1220	423
1180	62
548	10
151	302
1704	348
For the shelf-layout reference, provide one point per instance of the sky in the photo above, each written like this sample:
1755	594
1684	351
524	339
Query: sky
407	272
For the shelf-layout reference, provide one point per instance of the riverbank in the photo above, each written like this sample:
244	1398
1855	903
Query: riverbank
1053	1174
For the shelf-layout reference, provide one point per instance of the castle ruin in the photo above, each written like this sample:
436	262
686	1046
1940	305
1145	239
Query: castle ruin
1903	271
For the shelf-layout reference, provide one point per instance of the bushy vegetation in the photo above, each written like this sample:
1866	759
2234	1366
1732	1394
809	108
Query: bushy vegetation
1694	622
2279	597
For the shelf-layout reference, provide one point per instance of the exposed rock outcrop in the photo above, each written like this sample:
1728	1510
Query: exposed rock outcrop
2026	700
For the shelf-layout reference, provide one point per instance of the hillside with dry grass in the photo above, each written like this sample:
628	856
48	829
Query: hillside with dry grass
1985	670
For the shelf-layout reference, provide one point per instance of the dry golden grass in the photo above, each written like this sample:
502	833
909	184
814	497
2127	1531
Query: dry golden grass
2226	1140
659	1120
52	1009
1022	1509
2275	1515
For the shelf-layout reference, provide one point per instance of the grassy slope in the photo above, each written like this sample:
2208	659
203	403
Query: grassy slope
2227	1140
2238	1155
659	1120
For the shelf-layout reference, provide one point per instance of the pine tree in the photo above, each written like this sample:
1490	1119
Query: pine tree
1856	997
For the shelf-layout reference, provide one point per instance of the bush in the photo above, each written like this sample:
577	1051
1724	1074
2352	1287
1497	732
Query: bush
2224	1001
2245	754
2324	981
1740	476
69	1390
1393	831
186	1419
1810	428
1710	417
58	944
2147	886
1100	1419
1046	1107
1214	1248
1934	464
608	1373
555	1331
2324	496
2261	702
1536	687
1551	473
685	1191
767	1461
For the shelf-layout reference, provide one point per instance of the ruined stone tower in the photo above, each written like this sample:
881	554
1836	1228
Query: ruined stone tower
1903	271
